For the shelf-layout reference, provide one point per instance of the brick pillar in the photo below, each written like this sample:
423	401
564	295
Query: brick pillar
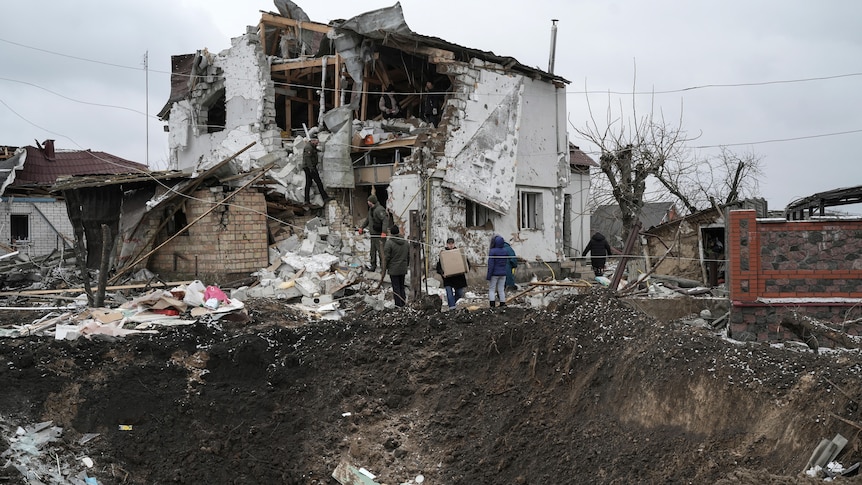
743	256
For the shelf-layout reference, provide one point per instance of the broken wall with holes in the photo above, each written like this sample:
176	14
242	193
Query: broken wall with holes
230	105
504	166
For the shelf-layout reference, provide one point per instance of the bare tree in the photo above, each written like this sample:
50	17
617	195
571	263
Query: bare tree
631	153
722	179
645	154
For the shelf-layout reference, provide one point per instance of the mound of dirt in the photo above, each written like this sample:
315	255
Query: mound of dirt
585	391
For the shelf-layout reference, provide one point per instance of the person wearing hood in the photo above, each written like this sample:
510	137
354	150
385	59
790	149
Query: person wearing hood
374	224
498	259
396	253
599	248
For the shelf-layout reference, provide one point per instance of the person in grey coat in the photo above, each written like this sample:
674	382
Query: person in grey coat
396	253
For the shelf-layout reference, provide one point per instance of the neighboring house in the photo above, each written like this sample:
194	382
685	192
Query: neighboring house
607	219
496	161
33	220
693	246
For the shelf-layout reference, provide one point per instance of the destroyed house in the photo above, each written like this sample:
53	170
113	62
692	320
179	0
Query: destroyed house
478	145
33	219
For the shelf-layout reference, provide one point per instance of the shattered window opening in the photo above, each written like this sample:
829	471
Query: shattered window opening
477	215
19	227
177	222
530	210
216	113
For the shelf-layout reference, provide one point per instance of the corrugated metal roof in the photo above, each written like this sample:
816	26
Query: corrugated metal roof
40	170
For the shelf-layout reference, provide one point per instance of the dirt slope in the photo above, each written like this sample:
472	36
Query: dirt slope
587	391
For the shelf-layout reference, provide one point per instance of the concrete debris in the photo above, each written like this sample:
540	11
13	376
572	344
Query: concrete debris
28	454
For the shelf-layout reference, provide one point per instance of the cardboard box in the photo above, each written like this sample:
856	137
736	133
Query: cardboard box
453	262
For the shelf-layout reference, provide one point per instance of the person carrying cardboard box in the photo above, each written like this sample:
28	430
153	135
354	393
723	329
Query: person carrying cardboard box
453	267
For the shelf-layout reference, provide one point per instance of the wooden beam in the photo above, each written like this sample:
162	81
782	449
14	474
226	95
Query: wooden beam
336	93
279	21
380	70
310	107
262	29
363	85
435	53
312	62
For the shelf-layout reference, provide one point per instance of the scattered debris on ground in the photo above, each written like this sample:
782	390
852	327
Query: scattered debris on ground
585	389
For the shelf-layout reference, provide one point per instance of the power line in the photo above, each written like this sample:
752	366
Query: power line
777	140
73	99
621	93
729	85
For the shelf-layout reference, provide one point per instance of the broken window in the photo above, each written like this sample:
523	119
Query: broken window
176	222
215	116
530	209
20	227
477	215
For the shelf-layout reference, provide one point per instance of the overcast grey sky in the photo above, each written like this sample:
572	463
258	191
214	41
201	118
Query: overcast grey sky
768	70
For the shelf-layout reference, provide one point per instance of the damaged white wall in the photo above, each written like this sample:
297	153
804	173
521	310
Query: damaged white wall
243	72
510	139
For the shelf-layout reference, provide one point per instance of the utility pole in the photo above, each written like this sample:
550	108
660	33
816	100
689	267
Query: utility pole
147	103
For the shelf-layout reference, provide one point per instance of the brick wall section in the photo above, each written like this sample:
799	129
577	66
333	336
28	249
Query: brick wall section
819	259
230	240
792	260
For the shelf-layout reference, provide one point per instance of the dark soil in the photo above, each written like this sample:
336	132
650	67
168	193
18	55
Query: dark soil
586	391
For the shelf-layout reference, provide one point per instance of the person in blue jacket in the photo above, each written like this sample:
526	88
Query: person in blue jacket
498	259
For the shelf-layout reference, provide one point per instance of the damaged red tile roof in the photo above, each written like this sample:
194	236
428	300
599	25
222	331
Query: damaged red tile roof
577	157
40	170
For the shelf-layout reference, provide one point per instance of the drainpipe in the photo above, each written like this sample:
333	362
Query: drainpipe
553	46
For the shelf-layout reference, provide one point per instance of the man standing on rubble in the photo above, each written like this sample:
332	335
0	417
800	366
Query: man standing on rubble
309	166
397	254
374	224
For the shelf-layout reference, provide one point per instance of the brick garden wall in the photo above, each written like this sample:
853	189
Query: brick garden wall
775	267
230	240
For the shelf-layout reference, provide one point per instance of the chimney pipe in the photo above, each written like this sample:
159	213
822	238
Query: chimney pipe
553	46
49	149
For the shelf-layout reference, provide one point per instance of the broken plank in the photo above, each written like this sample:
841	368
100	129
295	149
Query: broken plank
313	62
276	20
577	284
81	288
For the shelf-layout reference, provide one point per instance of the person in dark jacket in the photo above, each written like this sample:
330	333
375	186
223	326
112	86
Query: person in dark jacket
396	253
432	104
497	267
599	248
309	166
388	105
456	284
374	224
